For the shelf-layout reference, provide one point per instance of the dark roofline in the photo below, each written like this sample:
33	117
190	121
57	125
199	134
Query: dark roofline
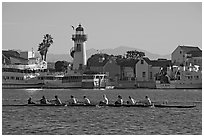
161	63
190	47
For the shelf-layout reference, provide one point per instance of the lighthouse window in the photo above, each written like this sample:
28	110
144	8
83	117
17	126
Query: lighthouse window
78	48
80	66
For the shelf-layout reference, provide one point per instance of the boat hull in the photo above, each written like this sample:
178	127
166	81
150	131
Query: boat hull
109	105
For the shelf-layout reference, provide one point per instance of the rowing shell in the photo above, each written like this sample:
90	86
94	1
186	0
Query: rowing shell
109	105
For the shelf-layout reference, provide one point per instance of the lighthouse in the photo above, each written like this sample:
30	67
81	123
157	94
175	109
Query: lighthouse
78	52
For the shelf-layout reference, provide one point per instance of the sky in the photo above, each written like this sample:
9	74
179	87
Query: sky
152	26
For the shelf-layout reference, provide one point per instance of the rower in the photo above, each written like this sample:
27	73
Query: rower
131	101
72	100
57	101
30	101
147	101
119	100
86	101
104	101
43	100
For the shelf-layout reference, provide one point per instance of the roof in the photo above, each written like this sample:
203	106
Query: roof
127	62
79	28
147	60
13	56
189	48
195	53
161	63
11	52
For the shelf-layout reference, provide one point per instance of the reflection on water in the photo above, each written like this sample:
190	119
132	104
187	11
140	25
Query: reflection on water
102	120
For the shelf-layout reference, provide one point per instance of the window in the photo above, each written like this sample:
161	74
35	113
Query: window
80	66
78	47
180	52
150	75
143	74
142	61
196	77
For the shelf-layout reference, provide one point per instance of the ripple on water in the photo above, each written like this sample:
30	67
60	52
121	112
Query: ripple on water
103	120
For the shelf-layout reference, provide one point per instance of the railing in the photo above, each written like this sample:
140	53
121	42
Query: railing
79	37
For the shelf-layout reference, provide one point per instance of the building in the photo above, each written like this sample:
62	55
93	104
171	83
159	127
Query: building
181	53
158	65
103	63
112	69
13	57
27	54
194	58
143	69
127	68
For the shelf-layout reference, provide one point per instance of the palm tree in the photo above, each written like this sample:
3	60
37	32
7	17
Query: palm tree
43	46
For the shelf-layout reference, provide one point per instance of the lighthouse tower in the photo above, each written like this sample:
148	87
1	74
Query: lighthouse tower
78	52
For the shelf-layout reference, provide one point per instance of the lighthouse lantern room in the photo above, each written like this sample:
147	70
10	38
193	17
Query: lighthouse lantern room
78	52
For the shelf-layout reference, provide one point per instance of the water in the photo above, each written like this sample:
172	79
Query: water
102	120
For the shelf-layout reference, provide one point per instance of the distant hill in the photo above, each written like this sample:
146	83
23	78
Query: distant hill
51	57
122	50
116	51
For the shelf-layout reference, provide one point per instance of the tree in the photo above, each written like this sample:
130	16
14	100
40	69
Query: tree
61	66
43	46
134	54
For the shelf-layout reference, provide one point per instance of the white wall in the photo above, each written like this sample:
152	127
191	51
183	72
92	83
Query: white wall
140	68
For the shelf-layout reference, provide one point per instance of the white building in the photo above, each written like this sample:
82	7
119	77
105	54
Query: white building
143	69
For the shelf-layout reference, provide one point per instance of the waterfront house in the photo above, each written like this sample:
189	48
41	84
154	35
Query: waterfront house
143	67
181	53
127	69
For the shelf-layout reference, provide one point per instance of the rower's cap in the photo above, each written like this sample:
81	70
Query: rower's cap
146	96
55	96
84	96
72	96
